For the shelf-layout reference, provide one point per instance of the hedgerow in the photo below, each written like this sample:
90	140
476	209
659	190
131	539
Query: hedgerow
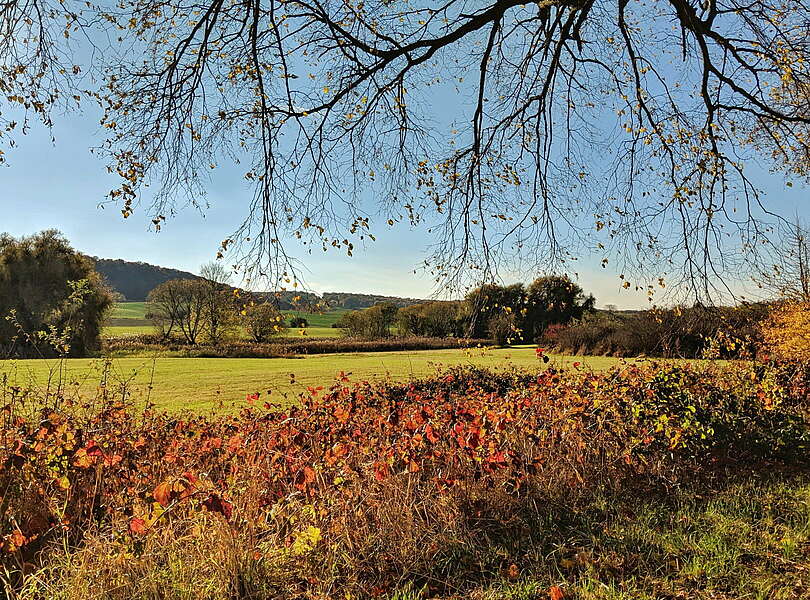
280	347
359	489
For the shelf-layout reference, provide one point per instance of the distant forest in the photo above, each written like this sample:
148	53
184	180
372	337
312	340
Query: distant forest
134	281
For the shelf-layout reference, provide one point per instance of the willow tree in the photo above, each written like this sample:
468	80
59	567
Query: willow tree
519	133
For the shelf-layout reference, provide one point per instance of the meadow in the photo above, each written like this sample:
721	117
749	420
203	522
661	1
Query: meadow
129	318
203	384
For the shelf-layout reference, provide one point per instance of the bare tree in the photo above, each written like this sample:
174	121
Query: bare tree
789	276
181	304
220	307
576	125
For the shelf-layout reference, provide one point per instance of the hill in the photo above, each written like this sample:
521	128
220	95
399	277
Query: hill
134	281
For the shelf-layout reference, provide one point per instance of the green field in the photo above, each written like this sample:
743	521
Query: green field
129	318
201	383
129	310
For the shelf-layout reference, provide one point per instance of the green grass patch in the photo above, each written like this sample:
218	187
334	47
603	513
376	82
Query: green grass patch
748	539
204	383
129	318
129	310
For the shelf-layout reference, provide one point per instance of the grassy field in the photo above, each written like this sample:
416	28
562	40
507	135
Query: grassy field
202	383
129	310
128	318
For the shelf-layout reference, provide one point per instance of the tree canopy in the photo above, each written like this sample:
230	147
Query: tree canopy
52	301
568	125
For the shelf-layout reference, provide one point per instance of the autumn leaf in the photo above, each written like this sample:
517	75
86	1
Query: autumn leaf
138	526
555	592
214	503
163	494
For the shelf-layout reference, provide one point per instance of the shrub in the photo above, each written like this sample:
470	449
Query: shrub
262	322
787	331
698	332
360	487
52	300
296	322
278	347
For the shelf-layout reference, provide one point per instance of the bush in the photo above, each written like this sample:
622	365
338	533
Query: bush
52	300
699	332
262	322
786	331
296	322
360	487
371	323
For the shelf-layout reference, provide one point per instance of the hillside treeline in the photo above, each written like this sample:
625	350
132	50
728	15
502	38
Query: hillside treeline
505	314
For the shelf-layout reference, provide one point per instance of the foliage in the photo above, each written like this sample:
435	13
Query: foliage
611	99
363	487
433	319
371	323
550	300
489	300
696	332
262	322
786	332
52	301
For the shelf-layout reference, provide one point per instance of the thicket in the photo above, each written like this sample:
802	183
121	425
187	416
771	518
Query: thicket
375	322
688	332
361	490
52	301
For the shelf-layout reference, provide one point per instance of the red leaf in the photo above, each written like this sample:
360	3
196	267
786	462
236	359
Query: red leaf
138	526
216	504
380	470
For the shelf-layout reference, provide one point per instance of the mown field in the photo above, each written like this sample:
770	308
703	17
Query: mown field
204	383
128	318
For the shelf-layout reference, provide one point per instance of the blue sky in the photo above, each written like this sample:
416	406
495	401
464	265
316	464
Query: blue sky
62	185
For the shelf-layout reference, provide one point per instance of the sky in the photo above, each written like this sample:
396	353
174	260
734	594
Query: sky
62	185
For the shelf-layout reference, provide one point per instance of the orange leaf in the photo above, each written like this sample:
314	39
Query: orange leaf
555	592
163	494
